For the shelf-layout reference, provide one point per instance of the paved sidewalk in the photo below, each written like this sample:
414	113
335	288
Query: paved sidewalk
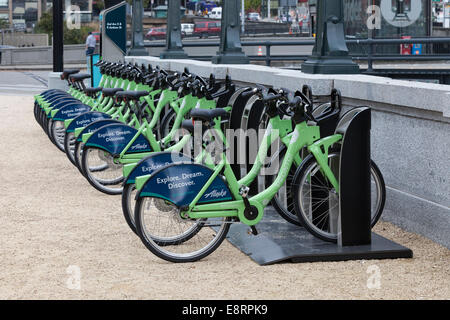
23	82
54	225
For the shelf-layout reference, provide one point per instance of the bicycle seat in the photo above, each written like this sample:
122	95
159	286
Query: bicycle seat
67	72
109	92
79	77
132	95
92	90
209	114
188	125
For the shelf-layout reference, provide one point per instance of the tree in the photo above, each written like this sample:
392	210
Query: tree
252	5
71	36
145	3
4	23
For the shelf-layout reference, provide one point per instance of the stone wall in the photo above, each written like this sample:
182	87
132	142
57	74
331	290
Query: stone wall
17	39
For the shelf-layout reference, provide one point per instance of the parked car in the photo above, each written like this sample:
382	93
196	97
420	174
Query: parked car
156	33
253	16
207	28
216	13
187	29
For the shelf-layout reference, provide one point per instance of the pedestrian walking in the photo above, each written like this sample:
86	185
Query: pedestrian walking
90	44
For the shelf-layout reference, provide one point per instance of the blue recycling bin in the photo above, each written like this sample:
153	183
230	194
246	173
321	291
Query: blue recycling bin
417	49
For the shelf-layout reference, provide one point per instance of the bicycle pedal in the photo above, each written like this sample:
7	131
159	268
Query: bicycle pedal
253	231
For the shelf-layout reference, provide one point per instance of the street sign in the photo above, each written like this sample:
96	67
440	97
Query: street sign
114	32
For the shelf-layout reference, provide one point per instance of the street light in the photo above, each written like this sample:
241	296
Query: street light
174	46
330	53
137	42
230	51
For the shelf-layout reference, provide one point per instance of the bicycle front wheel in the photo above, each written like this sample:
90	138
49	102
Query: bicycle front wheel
170	237
128	204
69	146
317	202
58	132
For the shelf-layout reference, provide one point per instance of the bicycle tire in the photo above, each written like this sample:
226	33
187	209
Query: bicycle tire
100	184
161	250
303	174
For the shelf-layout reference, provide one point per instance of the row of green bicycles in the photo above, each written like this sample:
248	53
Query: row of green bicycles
161	140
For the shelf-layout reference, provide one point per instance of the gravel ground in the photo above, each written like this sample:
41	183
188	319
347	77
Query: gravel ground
56	226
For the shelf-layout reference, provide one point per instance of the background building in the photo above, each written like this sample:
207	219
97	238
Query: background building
25	14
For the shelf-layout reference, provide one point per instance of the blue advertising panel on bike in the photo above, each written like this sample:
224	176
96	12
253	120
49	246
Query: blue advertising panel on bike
70	112
180	184
115	137
95	126
155	162
85	119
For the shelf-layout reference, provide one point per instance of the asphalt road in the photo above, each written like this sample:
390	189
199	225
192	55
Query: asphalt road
251	51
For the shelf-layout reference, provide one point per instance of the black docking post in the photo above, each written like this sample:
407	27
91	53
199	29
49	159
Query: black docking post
354	178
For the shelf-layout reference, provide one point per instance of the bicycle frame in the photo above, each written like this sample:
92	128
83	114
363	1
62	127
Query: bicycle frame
302	136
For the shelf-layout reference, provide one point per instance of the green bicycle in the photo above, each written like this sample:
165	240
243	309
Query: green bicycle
119	144
196	205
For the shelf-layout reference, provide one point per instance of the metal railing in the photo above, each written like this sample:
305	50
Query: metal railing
369	43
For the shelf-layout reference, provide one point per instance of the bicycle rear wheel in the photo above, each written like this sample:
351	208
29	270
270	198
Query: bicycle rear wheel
283	201
317	202
167	123
170	237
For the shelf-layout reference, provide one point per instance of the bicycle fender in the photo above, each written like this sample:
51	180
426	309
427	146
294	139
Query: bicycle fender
113	138
180	183
85	119
70	112
150	164
89	129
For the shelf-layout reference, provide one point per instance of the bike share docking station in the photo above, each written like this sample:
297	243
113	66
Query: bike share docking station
279	241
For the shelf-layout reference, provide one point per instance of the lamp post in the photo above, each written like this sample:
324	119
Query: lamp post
330	53
137	42
230	51
174	46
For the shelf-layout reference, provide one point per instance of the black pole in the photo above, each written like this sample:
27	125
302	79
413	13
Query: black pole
230	40
174	46
58	40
